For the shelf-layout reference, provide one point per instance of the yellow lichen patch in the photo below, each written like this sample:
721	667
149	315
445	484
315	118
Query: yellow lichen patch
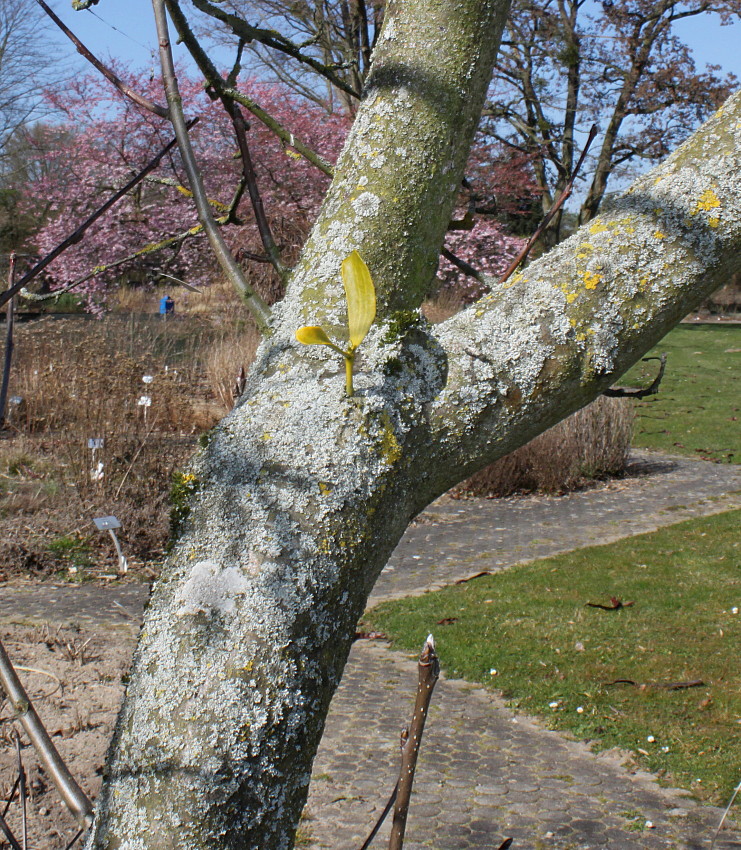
389	445
267	436
659	235
572	322
591	279
516	278
325	488
598	227
643	283
569	294
581	336
714	221
708	201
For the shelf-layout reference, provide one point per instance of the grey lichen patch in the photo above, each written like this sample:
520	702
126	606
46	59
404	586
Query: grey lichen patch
600	299
211	589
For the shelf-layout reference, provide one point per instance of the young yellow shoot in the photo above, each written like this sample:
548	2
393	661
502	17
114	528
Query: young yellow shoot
360	295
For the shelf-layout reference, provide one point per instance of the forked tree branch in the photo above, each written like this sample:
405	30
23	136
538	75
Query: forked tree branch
106	72
71	793
259	309
240	131
226	89
640	392
273	39
288	138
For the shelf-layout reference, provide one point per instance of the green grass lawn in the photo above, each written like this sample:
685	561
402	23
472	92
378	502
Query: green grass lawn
529	632
698	409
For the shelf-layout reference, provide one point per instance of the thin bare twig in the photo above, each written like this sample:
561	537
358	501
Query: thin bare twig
483	278
273	39
74	839
382	818
70	792
428	671
725	814
9	837
640	392
139	99
288	138
9	317
240	131
135	457
489	280
562	198
11	795
230	267
22	791
75	237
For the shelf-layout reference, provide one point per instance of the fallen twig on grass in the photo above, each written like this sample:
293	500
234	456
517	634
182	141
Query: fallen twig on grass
615	604
667	686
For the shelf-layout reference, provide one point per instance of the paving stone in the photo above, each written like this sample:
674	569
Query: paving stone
483	774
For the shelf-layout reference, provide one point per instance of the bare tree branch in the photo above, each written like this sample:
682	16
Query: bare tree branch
106	72
240	130
77	235
641	392
259	309
428	669
274	40
280	131
70	792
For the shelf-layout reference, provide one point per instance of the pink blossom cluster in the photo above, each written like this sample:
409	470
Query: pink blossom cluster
105	139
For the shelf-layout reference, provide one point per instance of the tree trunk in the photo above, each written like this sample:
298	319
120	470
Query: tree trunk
302	493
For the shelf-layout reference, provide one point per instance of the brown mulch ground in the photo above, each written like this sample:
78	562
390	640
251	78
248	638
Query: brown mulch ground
74	678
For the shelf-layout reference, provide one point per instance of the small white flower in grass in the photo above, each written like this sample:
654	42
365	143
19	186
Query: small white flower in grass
147	379
555	704
580	709
734	610
665	749
493	671
649	824
145	401
650	739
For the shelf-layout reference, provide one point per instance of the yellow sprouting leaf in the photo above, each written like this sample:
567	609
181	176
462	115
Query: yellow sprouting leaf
361	297
313	335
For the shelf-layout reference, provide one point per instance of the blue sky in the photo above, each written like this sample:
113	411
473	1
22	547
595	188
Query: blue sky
124	29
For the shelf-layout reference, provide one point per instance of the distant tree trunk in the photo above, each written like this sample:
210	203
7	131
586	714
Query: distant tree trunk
8	357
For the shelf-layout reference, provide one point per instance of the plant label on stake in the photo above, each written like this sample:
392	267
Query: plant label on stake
110	524
360	295
145	402
96	472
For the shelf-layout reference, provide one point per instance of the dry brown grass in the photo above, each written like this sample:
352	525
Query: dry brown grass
591	444
228	354
83	378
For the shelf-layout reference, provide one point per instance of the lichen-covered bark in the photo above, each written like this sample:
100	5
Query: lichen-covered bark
302	493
